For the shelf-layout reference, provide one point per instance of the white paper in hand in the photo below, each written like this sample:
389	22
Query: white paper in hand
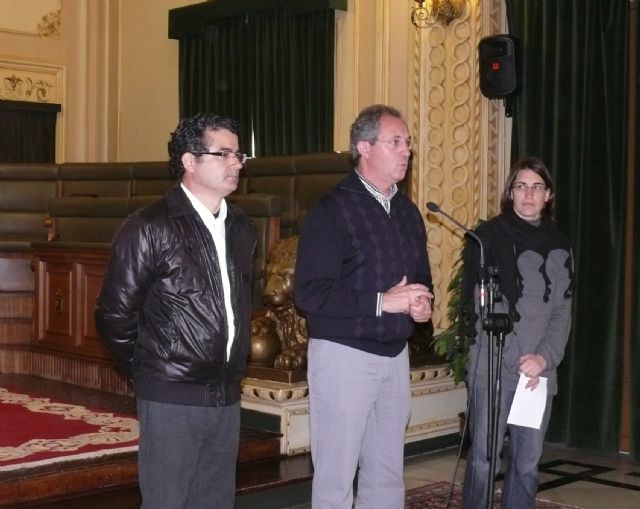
528	406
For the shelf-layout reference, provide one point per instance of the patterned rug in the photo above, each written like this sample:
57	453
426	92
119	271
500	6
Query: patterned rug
38	431
434	496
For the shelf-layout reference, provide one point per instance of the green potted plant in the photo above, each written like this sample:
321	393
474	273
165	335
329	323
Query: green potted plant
452	343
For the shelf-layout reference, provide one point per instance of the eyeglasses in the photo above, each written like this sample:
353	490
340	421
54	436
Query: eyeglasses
521	187
227	155
396	143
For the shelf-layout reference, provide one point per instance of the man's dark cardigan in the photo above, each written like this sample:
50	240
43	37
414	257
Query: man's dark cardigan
350	249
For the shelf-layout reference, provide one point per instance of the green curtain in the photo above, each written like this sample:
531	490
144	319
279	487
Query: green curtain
28	132
635	335
214	75
572	112
294	85
273	71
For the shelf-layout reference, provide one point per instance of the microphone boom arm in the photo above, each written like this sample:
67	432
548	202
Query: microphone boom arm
433	207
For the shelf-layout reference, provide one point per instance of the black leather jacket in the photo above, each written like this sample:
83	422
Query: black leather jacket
161	308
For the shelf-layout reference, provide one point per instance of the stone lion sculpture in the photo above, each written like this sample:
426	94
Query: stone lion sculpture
279	339
282	320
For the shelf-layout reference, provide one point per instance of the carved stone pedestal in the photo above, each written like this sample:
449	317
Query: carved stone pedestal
287	401
436	402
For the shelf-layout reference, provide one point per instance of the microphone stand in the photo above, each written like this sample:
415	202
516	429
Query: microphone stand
497	326
494	388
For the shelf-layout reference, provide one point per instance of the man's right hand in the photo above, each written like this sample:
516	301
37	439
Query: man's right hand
400	298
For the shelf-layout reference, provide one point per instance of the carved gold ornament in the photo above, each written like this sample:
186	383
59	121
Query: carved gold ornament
49	25
26	89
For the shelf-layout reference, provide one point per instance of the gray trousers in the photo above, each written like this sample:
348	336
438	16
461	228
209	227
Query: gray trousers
359	406
187	455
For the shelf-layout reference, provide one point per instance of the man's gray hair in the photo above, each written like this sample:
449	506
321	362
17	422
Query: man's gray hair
366	126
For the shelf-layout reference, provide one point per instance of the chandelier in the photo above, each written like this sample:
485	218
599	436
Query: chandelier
427	12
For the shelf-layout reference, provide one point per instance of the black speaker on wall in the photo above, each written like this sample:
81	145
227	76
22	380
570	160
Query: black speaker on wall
499	66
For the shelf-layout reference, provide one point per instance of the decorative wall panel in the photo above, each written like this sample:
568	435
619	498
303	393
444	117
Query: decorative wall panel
459	153
30	82
31	17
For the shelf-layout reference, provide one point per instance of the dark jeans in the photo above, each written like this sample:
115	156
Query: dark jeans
187	455
521	478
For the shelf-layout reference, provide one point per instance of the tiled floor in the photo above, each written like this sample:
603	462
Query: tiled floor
586	480
575	477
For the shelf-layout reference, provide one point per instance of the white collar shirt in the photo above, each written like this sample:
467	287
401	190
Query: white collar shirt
216	227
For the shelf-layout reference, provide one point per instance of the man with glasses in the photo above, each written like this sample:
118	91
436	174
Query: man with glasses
362	279
535	281
174	310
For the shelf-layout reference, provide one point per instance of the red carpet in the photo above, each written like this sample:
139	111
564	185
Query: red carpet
434	496
37	431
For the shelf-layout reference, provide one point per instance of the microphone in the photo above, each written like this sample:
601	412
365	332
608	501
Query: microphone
433	207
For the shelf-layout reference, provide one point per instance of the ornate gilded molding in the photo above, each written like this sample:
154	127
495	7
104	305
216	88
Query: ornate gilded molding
460	143
424	380
425	373
437	425
21	81
49	25
279	392
24	89
447	84
33	18
497	160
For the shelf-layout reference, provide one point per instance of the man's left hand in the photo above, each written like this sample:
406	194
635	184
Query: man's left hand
420	309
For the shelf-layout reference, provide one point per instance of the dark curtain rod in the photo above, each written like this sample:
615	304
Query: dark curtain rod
29	106
193	19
